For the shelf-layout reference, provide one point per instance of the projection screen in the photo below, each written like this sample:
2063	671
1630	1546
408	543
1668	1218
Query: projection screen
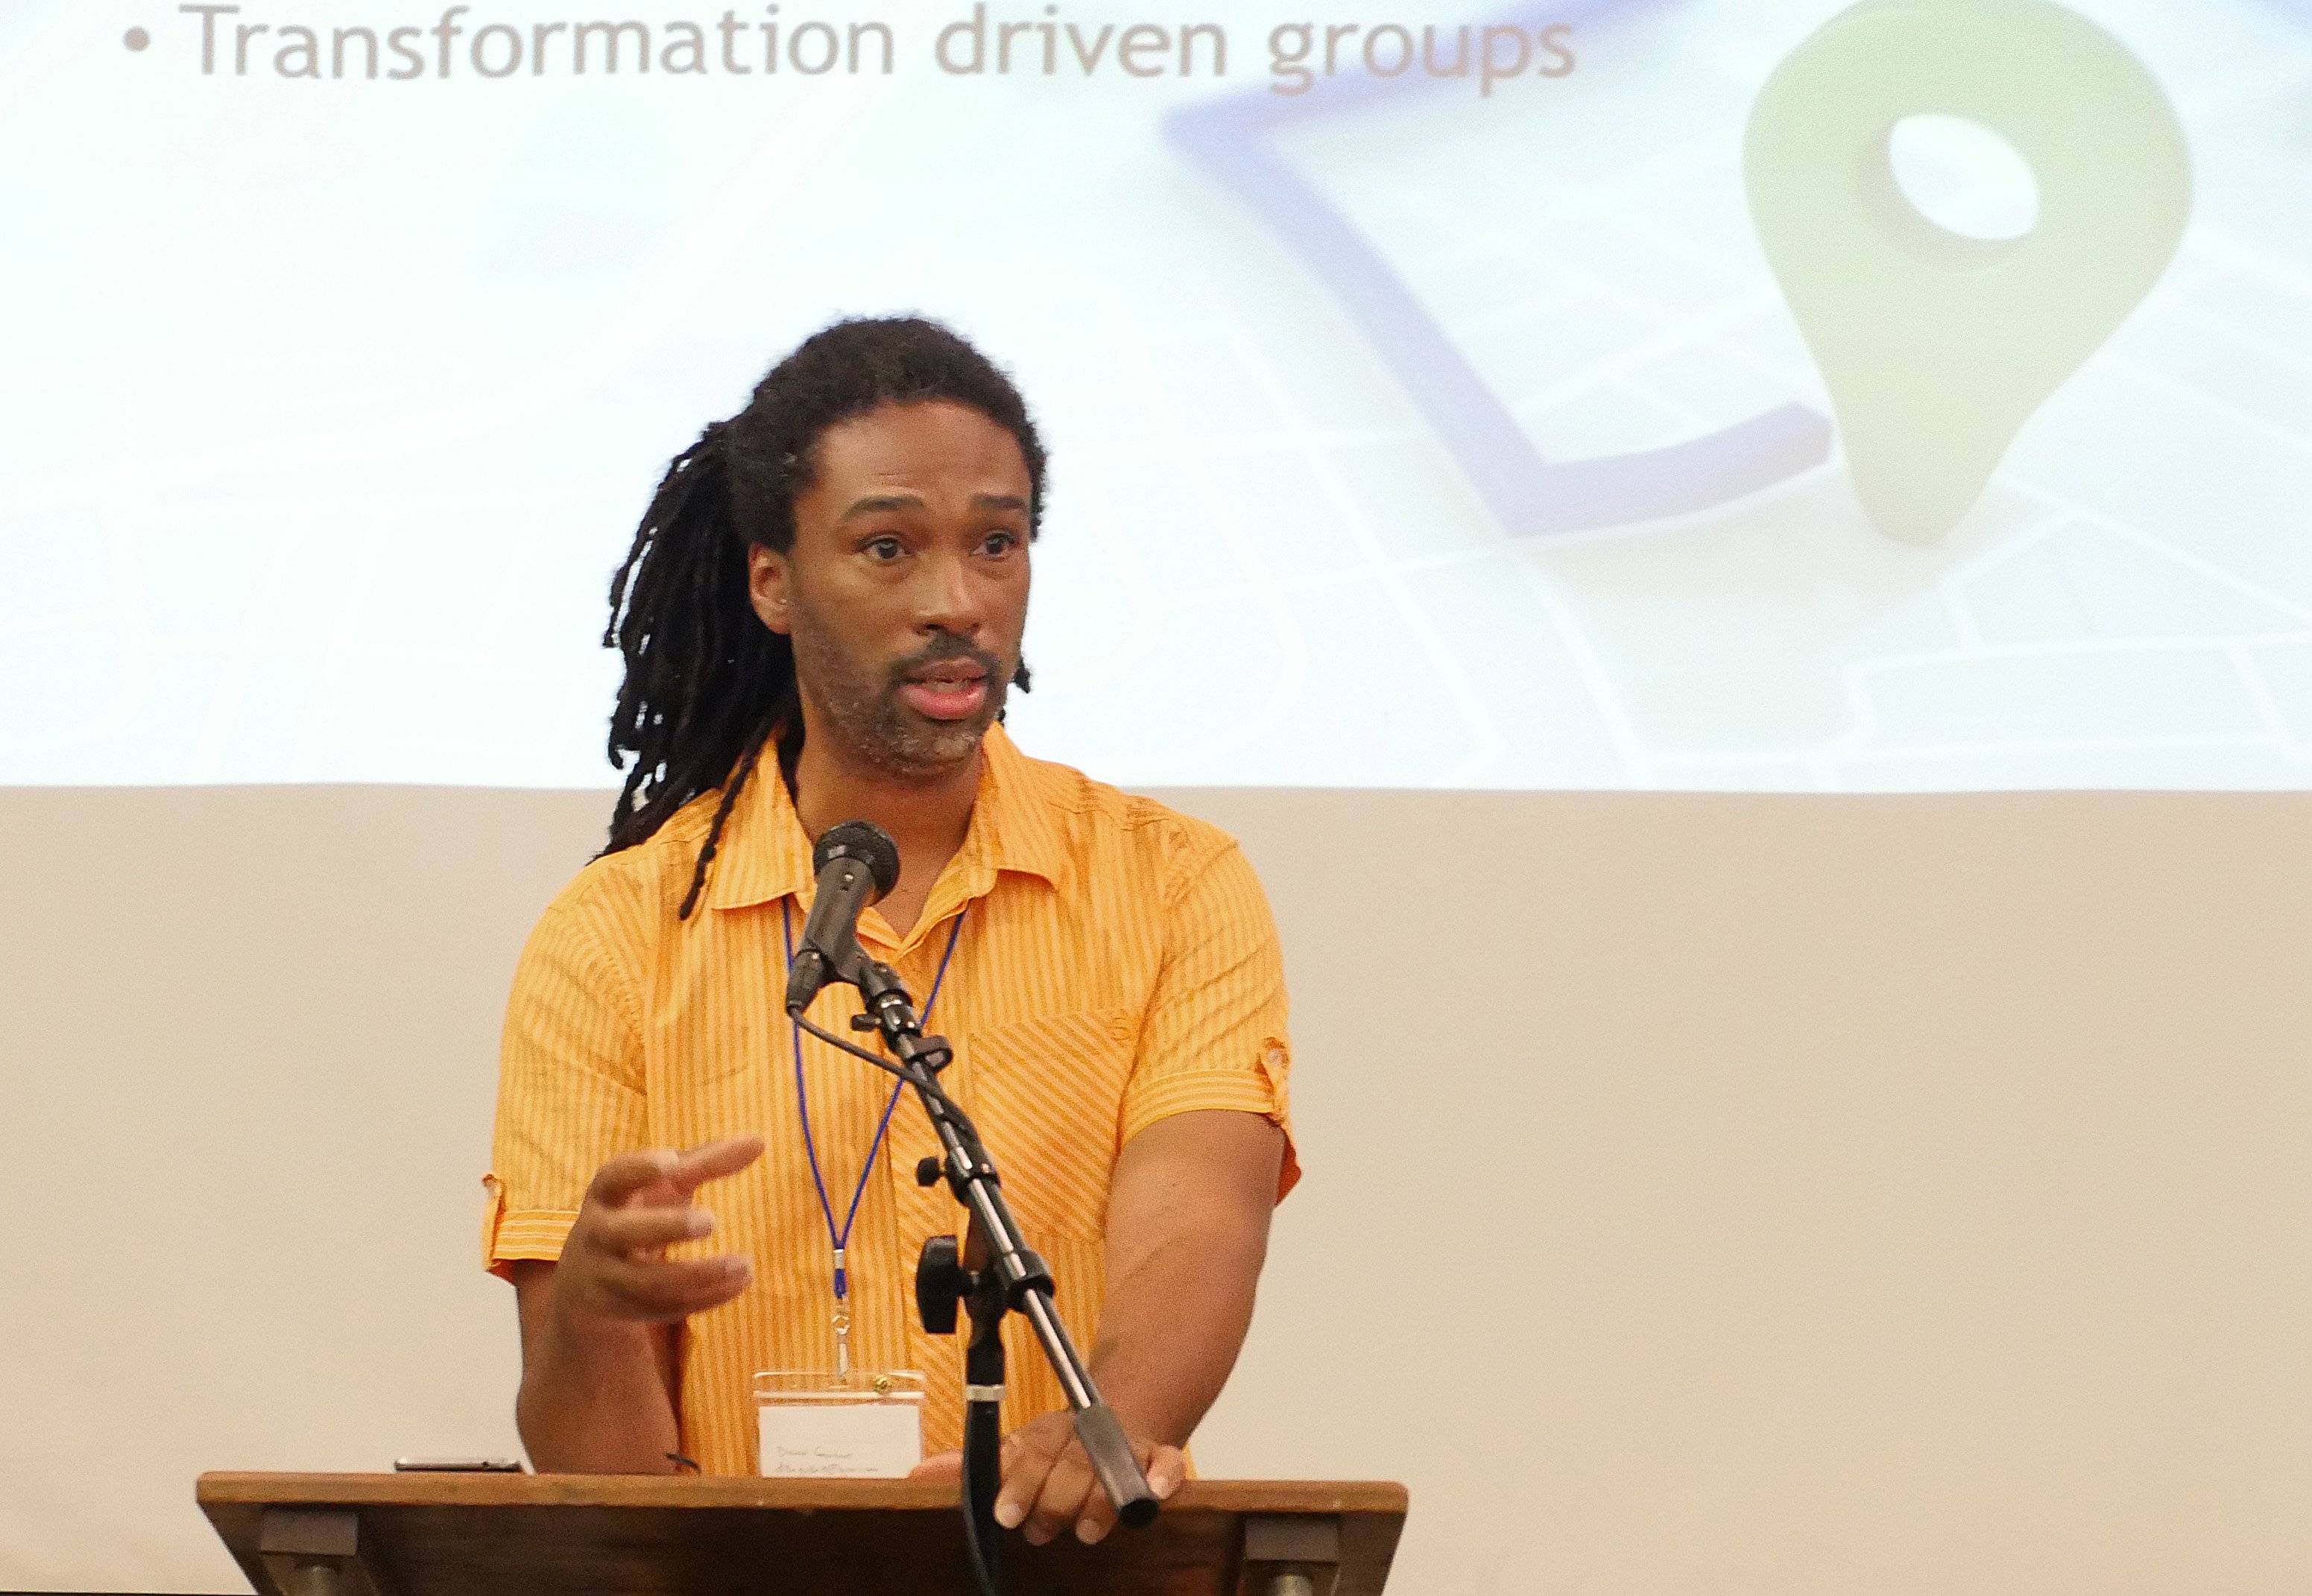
1624	394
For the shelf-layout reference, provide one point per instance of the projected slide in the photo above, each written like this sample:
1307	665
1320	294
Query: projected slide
1781	395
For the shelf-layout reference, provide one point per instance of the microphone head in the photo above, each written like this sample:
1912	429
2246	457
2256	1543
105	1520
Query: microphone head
863	840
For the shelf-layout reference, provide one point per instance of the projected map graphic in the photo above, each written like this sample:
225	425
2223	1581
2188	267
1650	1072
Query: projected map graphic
331	401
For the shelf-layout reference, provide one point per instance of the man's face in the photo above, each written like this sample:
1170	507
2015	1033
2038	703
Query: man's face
905	591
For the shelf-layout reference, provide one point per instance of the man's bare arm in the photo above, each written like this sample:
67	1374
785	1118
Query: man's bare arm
598	1328
600	1403
1188	1231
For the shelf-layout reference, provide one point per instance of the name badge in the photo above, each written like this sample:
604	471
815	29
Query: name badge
815	1424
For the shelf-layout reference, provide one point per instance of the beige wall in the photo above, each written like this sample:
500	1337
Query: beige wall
1896	1195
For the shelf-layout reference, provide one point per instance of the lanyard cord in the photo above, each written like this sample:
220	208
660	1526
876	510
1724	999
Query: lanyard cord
841	1239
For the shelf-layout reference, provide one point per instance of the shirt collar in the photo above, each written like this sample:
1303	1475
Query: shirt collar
764	855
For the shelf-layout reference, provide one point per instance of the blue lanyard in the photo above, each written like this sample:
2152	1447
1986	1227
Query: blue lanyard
840	1240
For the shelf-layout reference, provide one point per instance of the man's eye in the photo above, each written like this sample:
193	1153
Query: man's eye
1001	543
883	549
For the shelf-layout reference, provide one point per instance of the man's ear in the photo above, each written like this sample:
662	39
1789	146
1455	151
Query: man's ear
767	571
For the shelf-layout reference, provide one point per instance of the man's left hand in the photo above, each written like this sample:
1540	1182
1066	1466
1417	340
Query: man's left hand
1048	1483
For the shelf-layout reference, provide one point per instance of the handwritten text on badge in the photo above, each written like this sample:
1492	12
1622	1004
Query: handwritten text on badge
839	1440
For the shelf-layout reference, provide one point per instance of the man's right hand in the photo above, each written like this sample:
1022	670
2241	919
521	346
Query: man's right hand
614	1265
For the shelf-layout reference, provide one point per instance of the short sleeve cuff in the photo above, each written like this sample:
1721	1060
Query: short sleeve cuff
1229	1091
511	1236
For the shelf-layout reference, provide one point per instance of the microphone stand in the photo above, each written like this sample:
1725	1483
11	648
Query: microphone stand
993	1273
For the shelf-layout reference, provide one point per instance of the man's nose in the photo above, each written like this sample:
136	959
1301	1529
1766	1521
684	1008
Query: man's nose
948	599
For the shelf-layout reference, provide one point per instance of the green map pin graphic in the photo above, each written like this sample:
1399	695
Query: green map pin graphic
1937	348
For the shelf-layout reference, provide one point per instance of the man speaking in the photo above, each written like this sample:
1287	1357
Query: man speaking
820	618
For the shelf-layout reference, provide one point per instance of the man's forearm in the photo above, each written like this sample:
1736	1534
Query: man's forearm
1172	1328
1188	1231
595	1396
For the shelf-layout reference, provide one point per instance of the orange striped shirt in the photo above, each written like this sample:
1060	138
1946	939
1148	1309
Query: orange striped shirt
1117	964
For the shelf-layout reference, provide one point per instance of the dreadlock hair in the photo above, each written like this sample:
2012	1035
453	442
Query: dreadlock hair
708	684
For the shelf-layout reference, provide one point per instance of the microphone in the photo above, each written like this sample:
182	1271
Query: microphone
856	863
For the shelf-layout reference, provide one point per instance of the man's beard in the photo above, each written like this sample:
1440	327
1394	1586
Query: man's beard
864	710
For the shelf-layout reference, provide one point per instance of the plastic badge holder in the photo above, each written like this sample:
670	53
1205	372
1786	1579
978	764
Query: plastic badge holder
813	1424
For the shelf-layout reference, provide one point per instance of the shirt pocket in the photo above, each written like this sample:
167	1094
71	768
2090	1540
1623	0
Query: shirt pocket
1047	1094
727	1047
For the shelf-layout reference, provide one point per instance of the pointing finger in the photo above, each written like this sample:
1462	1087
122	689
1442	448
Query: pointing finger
714	1161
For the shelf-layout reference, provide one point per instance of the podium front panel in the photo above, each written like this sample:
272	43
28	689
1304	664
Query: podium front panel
578	1535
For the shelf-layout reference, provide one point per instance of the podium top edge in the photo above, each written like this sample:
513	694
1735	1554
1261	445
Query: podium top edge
222	1489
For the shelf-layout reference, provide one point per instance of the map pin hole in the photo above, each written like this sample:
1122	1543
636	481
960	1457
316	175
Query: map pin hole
1965	177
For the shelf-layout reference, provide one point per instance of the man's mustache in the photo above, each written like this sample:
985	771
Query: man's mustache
942	648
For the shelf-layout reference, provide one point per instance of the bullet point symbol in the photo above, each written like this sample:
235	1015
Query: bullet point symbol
137	38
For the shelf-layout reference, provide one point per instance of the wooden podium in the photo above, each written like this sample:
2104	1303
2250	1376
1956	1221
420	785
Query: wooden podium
595	1535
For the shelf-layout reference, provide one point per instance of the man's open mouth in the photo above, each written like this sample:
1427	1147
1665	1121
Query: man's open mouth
952	690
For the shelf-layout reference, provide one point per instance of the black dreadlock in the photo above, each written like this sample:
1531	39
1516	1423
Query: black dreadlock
708	684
